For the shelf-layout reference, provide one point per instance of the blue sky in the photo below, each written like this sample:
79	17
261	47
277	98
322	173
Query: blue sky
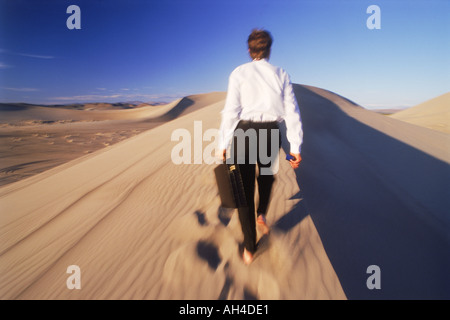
157	50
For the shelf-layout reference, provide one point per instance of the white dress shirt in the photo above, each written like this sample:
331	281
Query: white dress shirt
261	92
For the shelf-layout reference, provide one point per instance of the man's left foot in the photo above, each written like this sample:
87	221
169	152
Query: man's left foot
247	257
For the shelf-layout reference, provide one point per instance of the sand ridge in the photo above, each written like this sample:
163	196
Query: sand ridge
134	238
433	114
141	227
34	139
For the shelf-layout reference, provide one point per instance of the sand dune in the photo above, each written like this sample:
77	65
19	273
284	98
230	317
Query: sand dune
433	114
35	138
371	190
377	190
22	114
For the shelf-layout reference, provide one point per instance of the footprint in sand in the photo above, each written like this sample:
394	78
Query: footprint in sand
209	253
201	218
208	265
224	215
192	272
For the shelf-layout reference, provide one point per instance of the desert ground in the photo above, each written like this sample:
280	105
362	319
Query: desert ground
95	186
433	114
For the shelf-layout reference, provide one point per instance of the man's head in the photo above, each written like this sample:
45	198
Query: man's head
259	43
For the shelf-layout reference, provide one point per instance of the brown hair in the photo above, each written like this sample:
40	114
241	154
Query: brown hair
259	43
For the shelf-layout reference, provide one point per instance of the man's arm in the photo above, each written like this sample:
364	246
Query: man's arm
230	113
292	118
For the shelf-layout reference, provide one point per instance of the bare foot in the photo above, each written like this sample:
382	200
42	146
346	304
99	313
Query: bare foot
247	257
261	221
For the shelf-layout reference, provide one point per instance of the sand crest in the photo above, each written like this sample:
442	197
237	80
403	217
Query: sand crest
433	114
141	227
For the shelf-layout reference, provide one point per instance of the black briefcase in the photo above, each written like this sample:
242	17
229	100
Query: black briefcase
229	183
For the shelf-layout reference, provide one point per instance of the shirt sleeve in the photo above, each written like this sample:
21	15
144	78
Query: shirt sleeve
230	113
292	118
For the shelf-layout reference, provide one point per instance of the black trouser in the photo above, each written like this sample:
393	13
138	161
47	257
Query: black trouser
265	180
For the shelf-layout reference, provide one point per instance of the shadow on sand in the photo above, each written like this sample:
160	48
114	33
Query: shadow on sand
374	201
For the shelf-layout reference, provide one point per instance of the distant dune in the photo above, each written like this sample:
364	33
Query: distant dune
37	138
371	190
28	114
387	111
433	114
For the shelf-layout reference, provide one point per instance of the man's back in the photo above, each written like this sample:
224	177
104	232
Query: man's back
261	90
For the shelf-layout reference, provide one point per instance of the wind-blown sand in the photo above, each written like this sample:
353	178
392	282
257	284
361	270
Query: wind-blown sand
371	190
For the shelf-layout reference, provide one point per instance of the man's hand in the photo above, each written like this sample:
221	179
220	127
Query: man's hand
296	161
222	155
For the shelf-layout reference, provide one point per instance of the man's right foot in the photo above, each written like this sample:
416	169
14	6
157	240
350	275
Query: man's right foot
261	221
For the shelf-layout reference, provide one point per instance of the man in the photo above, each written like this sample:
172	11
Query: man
259	96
